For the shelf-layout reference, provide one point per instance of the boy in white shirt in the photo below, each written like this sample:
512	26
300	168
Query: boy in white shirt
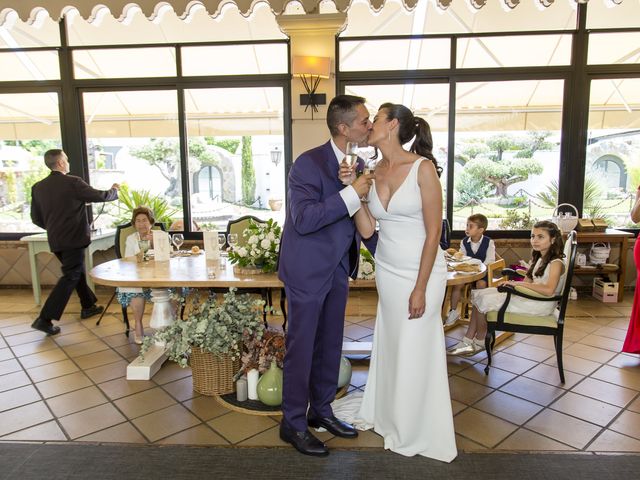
475	245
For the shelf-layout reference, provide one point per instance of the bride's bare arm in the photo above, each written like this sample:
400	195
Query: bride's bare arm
365	223
431	194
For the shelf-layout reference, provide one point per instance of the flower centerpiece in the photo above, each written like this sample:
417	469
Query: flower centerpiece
367	265
261	247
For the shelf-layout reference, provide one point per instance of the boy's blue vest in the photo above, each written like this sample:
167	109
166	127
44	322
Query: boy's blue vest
481	254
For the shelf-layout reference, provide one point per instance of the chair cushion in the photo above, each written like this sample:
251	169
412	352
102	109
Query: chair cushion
548	321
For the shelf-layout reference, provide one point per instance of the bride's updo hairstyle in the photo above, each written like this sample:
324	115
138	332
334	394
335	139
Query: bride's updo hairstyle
410	126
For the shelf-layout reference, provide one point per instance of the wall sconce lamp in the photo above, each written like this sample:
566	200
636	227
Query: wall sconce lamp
276	156
311	70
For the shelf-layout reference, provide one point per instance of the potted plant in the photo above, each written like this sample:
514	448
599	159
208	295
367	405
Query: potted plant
210	339
260	250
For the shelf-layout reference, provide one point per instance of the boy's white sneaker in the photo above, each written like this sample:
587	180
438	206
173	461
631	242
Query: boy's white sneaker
452	318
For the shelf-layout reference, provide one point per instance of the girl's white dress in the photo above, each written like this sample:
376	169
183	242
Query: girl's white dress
490	299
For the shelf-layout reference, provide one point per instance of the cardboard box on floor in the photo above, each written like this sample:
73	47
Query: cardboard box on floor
606	292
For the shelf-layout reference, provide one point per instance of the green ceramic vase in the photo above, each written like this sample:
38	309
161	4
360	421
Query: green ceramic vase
270	386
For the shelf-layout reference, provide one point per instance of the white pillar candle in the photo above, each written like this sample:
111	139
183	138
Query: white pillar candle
252	383
241	389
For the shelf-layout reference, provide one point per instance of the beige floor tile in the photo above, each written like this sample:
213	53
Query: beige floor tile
5	354
624	377
635	405
563	428
575	364
198	435
586	408
359	375
548	374
620	323
73	338
22	338
610	441
604	343
43	358
166	422
170	372
107	372
97	359
205	408
482	428
512	363
41	345
508	407
366	439
628	423
625	360
181	389
542	341
122	433
589	353
466	445
357	331
144	402
45	432
23	417
121	387
14	380
76	401
525	440
236	427
530	352
610	332
92	420
60	385
117	340
85	348
18	396
496	377
606	392
129	351
457	364
16	329
466	391
268	438
571	335
532	390
457	407
52	370
9	366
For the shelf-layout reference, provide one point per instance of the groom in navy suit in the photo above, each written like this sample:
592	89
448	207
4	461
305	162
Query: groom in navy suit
319	251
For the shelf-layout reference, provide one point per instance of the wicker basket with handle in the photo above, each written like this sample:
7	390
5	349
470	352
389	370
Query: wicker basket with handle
212	374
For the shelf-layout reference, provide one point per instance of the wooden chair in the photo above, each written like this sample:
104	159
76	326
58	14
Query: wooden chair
122	232
494	280
553	324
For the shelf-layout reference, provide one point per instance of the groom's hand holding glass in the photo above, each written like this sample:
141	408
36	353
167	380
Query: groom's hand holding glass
362	184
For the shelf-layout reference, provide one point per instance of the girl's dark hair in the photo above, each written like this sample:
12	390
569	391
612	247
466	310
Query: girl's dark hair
556	250
142	210
410	126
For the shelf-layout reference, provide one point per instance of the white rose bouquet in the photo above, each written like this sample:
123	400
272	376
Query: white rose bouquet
367	266
261	246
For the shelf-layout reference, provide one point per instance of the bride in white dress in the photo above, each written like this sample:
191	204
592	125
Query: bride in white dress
407	399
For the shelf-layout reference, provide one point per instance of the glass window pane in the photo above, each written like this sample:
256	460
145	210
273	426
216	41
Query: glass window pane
133	139
495	52
29	126
610	14
42	32
429	101
507	155
29	66
124	63
235	59
168	27
394	54
613	150
236	160
427	17
614	48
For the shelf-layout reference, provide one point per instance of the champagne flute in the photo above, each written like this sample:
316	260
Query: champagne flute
233	240
144	245
177	239
222	240
370	164
351	154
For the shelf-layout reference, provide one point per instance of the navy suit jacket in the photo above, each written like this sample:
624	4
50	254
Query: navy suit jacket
318	234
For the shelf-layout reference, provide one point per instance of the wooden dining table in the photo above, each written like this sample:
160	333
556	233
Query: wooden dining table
195	271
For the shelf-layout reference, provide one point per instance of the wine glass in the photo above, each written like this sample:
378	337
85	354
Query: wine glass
222	240
144	245
233	240
177	239
351	154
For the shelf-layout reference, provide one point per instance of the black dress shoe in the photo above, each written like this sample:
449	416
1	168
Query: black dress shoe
91	311
333	425
45	325
304	442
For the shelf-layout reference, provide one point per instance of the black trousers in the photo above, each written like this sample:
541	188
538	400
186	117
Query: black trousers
73	278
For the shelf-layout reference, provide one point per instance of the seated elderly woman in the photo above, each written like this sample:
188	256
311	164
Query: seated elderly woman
142	219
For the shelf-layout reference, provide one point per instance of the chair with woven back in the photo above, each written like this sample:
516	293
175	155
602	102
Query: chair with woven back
553	324
122	232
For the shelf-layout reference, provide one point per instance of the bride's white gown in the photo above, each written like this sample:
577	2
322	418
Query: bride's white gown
407	399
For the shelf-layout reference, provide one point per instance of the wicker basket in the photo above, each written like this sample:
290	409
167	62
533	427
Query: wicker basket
212	374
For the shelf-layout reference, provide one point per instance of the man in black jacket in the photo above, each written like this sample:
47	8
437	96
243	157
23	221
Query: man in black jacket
59	206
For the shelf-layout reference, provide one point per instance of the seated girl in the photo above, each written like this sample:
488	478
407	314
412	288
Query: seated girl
142	219
543	277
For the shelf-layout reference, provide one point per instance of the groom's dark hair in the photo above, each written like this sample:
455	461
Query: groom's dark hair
342	109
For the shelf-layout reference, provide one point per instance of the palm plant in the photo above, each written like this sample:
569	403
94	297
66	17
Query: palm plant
130	199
